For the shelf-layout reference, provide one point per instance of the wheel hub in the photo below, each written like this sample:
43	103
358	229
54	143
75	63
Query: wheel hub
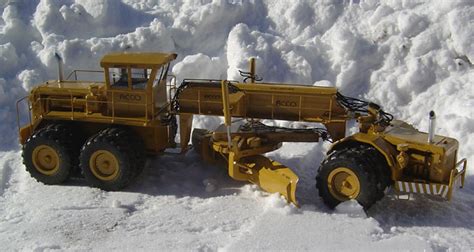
343	184
104	165
46	159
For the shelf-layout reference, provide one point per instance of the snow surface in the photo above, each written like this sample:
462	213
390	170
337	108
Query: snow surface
410	56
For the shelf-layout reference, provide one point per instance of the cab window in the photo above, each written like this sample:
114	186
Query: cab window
140	77
118	77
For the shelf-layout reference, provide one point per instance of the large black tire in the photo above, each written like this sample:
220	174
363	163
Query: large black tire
49	154
377	163
135	145
109	159
353	173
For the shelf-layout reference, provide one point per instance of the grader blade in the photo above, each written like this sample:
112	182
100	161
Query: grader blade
270	175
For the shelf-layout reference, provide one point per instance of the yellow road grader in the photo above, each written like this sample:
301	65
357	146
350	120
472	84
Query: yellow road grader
106	128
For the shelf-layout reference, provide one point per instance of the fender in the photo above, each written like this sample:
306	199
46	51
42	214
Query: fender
25	132
382	146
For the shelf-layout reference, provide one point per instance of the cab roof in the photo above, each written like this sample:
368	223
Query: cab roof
137	59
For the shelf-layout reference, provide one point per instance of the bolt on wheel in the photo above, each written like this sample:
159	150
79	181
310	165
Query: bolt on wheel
45	159
343	184
104	165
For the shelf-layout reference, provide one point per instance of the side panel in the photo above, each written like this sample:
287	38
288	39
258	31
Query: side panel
128	103
264	101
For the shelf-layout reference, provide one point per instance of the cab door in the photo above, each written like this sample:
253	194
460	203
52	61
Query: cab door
127	93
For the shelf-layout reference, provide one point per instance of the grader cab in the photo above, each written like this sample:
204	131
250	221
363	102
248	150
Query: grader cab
105	128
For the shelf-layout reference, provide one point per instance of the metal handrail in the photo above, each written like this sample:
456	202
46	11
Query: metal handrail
171	85
18	111
74	72
74	105
462	162
455	173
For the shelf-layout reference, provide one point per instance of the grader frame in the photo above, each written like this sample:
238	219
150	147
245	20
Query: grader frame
127	115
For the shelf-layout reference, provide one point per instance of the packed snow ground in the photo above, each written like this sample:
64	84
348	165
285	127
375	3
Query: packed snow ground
409	56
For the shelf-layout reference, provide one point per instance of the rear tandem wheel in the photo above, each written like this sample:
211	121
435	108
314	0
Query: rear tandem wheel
111	159
49	154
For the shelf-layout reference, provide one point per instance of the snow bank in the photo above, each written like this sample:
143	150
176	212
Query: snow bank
390	52
75	20
199	66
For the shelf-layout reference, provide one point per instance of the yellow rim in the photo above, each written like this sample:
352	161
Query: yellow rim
343	184
45	159
104	165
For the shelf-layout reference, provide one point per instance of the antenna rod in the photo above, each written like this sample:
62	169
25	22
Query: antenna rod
252	70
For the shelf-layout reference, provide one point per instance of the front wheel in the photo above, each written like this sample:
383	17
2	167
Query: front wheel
346	175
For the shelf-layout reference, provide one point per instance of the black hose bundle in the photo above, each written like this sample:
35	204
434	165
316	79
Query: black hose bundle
360	106
352	104
248	75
